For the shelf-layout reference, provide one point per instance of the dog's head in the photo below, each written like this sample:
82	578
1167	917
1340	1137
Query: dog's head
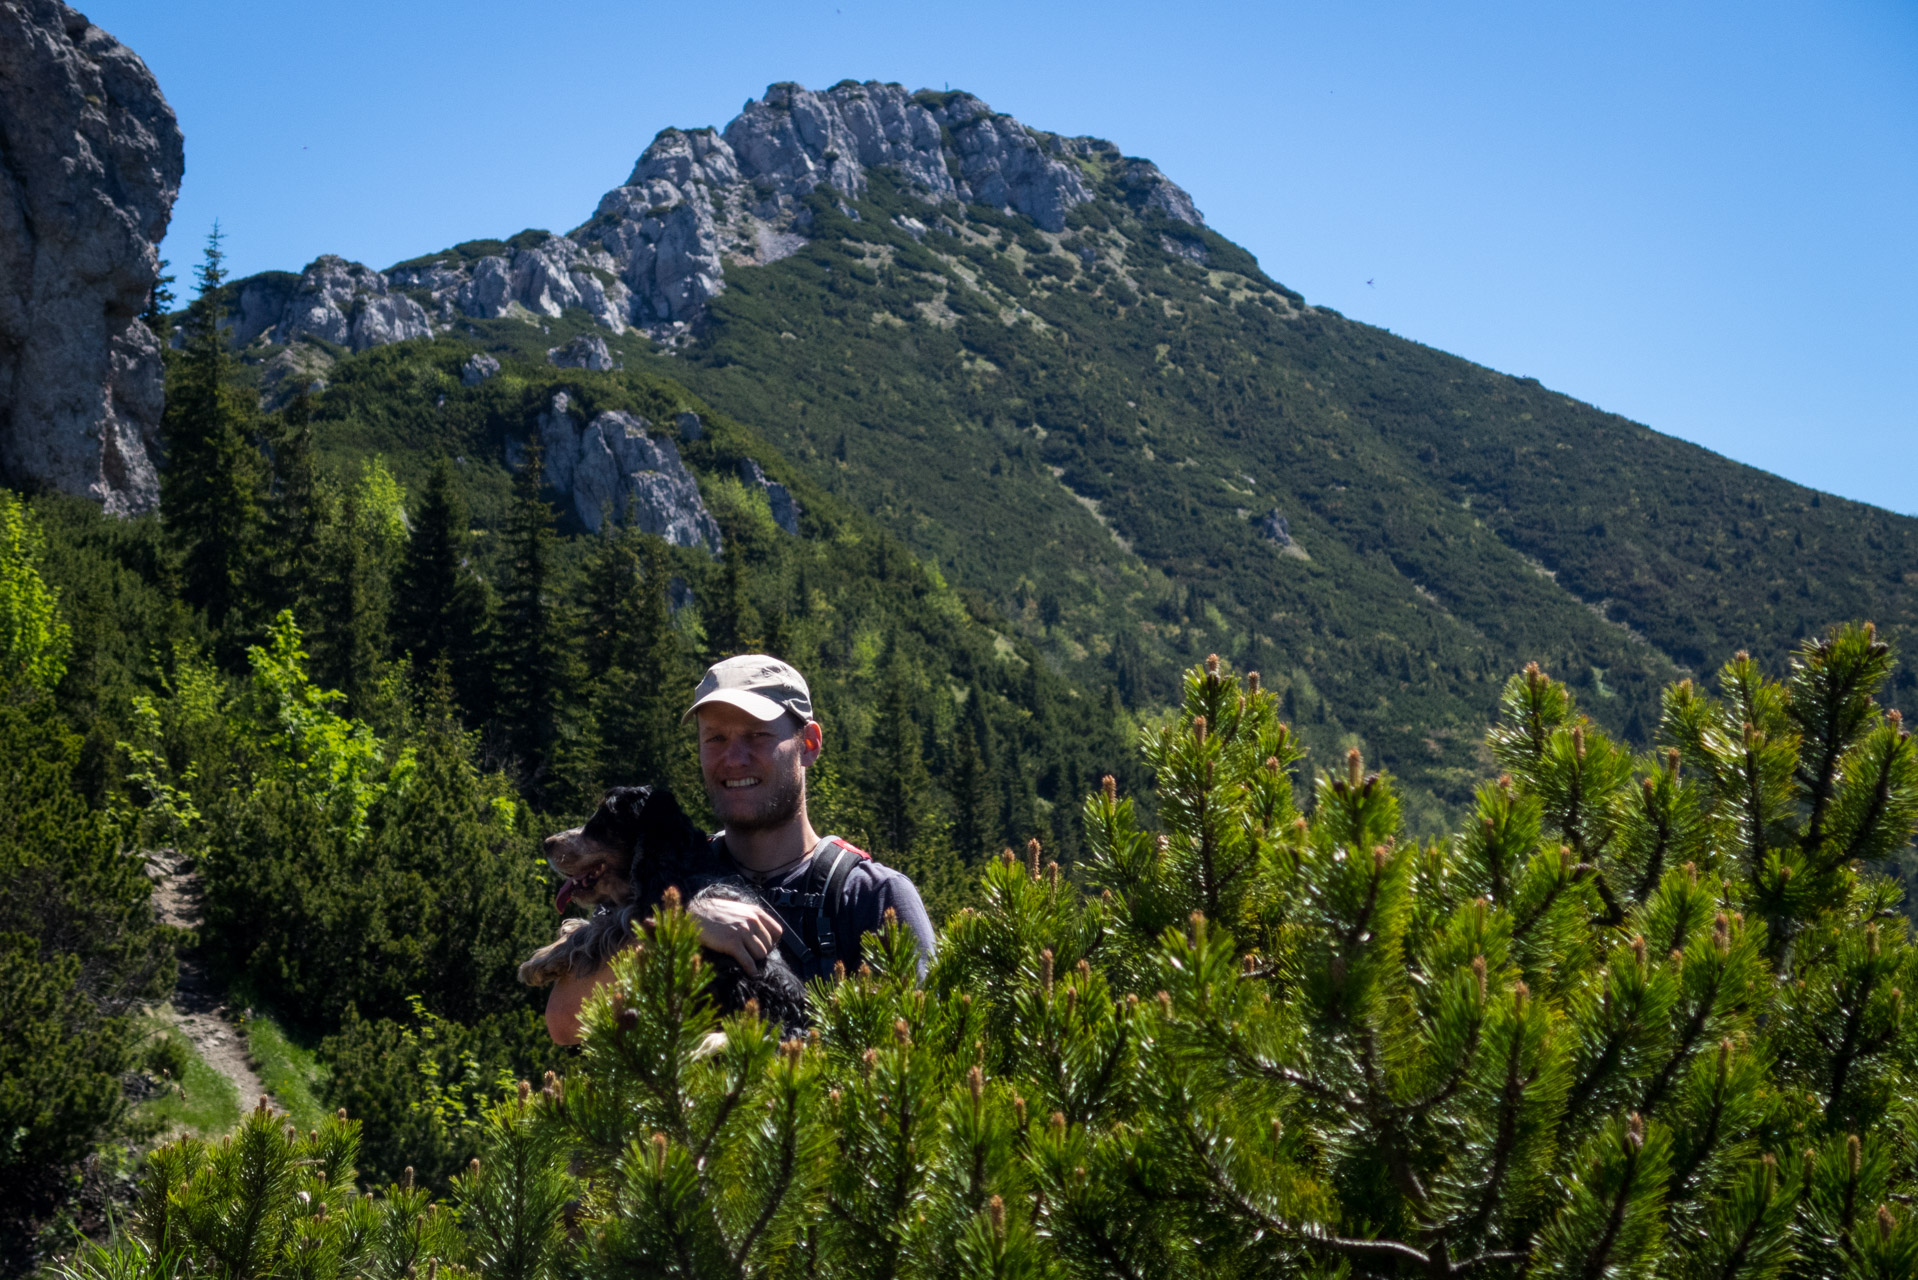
603	859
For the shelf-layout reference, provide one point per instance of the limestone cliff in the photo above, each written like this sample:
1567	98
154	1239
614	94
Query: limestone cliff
90	163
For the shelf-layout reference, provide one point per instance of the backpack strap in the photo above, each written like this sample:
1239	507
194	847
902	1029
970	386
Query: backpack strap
823	898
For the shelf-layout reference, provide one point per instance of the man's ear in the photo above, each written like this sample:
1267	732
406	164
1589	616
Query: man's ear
811	739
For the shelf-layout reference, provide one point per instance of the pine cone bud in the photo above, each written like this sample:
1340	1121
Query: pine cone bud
1165	1003
1249	965
1252	682
1058	1124
1671	762
1161	847
1110	785
340	1114
996	1215
976	1081
1045	970
1198	928
1886	1223
473	1166
866	1061
1520	994
1691	872
1646	785
1478	972
659	1153
1381	855
1677	958
1354	769
1638	949
1198	730
1007	856
1212	665
1635	1131
1578	742
839	971
750	1008
1019	1110
1032	857
1722	934
1052	875
1854	1154
406	1178
901	1032
669	900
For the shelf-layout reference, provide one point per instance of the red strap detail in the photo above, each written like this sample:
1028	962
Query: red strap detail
847	844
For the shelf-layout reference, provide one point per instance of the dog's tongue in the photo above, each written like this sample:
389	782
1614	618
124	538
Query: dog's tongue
565	895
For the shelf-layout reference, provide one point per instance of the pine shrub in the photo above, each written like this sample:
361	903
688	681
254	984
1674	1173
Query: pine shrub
1641	1016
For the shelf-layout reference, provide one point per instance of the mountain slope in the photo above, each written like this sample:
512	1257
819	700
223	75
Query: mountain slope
1030	358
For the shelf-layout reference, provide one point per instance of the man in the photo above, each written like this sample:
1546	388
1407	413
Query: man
757	738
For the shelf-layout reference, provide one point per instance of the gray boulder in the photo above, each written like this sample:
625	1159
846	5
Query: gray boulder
478	368
587	351
690	427
605	464
785	507
90	163
1274	527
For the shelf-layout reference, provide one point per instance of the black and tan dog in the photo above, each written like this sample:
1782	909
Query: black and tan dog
638	844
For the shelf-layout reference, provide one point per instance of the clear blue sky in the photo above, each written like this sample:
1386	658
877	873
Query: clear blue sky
1702	216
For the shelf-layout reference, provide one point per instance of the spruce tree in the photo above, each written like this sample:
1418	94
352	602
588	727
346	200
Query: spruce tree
975	828
296	517
440	607
210	486
532	659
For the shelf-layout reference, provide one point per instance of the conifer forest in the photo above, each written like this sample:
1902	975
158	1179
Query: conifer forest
1354	883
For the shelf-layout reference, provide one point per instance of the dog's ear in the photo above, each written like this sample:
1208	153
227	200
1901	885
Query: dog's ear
617	820
665	826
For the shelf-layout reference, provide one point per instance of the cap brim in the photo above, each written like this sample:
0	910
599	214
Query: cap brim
753	704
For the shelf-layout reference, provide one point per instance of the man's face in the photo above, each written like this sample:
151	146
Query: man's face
755	772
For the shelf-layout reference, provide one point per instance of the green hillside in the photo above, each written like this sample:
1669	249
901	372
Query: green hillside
1086	431
996	401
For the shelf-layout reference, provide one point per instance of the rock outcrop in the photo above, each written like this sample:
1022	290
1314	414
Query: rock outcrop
785	508
478	368
90	163
587	351
613	461
342	302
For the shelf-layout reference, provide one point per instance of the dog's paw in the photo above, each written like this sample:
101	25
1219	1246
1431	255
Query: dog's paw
547	965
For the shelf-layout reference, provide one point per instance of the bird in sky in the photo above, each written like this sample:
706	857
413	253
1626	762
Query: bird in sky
1369	285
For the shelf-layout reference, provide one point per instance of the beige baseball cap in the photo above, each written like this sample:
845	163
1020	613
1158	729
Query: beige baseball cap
758	684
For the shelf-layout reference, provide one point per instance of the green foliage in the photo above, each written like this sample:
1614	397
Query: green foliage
79	952
1352	1054
34	640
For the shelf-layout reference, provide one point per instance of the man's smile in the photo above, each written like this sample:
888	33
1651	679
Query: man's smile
733	784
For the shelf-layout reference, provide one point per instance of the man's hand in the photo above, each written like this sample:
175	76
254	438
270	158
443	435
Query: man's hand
745	932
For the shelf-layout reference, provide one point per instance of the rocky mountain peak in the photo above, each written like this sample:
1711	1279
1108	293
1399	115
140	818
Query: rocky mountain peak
657	248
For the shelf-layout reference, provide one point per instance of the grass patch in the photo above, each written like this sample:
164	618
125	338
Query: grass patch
290	1072
210	1105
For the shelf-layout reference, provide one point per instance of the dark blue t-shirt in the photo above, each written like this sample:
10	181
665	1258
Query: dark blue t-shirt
870	888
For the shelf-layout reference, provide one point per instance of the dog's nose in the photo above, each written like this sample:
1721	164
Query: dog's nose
556	843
